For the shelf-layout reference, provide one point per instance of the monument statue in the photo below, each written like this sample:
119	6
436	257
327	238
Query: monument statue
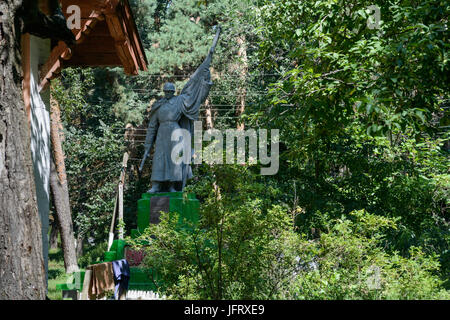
171	113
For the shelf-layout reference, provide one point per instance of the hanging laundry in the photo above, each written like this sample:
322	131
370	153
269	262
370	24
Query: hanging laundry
121	277
102	280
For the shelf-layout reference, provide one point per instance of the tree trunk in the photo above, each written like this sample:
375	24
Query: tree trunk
80	240
208	115
60	197
22	272
243	69
60	191
53	241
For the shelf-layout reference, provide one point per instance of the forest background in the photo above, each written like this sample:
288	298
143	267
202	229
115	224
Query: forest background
359	207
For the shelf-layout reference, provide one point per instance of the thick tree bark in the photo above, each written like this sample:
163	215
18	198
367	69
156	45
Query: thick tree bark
60	191
22	273
53	241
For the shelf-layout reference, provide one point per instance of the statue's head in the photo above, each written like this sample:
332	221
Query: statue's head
169	90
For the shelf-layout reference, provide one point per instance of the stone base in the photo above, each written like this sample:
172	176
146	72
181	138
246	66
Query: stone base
151	205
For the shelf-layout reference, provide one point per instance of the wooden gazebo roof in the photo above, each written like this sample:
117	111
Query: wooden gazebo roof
108	37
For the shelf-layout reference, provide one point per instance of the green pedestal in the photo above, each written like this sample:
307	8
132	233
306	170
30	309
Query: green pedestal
150	205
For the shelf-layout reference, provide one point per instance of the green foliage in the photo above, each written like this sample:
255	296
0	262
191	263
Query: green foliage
389	76
93	255
93	170
360	112
93	151
242	247
350	263
246	248
78	82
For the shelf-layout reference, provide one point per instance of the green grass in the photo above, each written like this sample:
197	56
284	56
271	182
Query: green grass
56	273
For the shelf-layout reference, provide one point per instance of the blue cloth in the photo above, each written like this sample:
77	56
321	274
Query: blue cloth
121	277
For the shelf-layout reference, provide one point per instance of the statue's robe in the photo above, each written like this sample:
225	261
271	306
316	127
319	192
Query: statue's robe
168	115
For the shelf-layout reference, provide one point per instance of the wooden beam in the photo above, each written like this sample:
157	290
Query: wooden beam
137	44
100	27
95	45
87	28
129	44
98	59
53	64
122	42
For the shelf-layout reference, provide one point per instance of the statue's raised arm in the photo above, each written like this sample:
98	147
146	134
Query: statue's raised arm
197	88
216	39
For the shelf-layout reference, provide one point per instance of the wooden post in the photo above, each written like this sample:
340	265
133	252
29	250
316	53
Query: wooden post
121	184
111	228
86	283
121	211
118	205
